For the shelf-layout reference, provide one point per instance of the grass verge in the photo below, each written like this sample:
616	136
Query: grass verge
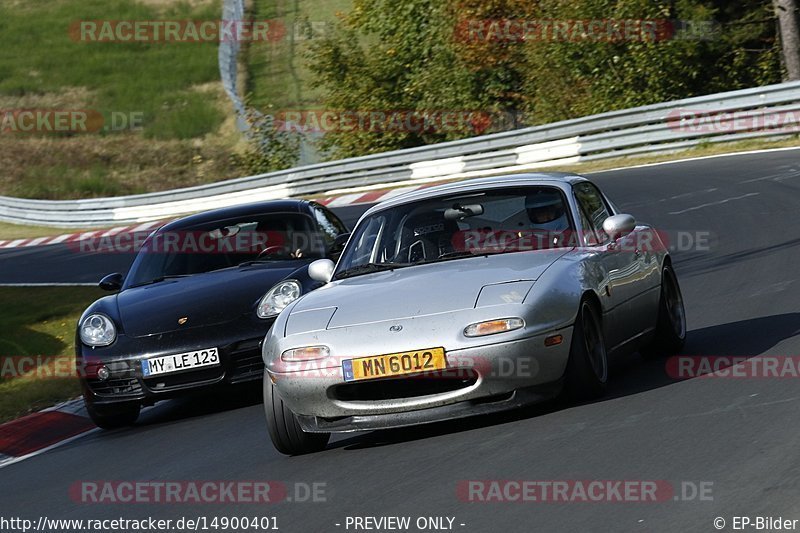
166	121
38	323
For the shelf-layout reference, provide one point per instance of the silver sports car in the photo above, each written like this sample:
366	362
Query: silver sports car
468	298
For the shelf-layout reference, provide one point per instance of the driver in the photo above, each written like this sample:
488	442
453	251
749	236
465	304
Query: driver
546	211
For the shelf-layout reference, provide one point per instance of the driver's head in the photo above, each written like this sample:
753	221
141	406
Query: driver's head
544	207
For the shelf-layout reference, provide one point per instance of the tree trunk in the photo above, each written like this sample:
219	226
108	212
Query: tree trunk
786	11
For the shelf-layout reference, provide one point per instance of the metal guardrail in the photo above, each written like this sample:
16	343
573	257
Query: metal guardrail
643	130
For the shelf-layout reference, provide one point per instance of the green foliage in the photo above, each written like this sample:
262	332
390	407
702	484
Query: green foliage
386	55
406	57
269	149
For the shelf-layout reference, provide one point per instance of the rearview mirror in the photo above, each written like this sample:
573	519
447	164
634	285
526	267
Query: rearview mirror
112	282
619	226
460	212
321	270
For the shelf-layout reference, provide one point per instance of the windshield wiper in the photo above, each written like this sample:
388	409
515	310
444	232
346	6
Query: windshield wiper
457	255
256	262
453	255
160	279
369	268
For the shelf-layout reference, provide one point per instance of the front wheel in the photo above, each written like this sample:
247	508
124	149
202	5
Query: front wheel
587	368
670	335
112	416
284	429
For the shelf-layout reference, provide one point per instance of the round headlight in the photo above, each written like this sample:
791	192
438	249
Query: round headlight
98	330
278	297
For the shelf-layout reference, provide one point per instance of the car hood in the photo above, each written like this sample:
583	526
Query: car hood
414	291
204	299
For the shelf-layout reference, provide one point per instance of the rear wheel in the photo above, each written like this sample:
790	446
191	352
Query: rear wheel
670	333
587	369
113	416
284	429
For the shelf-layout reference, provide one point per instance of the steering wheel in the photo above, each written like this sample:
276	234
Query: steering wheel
269	250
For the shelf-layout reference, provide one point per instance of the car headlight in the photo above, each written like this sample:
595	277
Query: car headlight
97	330
278	297
492	327
308	353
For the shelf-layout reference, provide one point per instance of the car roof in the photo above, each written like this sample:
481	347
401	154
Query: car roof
244	210
558	179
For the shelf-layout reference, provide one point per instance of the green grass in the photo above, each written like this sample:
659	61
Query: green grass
21	231
39	322
61	180
39	57
277	73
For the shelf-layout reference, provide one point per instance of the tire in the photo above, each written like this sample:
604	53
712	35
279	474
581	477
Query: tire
113	416
670	335
586	375
284	429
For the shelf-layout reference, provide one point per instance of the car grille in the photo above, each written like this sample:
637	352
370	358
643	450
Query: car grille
400	388
171	381
122	381
245	360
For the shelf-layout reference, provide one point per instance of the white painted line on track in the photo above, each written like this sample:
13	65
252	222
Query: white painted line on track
692	159
720	202
13	460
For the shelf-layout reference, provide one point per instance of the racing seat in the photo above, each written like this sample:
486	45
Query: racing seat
425	237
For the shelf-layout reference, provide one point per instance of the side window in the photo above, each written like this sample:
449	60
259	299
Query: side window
593	212
330	226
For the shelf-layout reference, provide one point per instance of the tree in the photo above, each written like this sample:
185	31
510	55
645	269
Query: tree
786	11
533	62
407	57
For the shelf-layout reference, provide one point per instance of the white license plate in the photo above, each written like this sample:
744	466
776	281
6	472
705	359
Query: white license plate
180	362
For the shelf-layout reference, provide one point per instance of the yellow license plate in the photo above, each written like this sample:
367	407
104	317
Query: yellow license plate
394	364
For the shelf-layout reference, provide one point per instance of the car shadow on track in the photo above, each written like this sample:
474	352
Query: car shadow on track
202	404
630	375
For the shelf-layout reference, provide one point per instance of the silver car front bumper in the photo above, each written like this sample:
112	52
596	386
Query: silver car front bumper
480	379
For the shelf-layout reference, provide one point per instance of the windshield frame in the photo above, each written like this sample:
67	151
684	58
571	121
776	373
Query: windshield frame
130	278
563	189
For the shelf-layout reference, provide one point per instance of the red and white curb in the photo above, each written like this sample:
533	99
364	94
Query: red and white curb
335	201
371	197
40	432
72	237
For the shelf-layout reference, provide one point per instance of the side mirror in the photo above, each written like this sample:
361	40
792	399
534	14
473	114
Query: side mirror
321	270
338	246
619	226
112	282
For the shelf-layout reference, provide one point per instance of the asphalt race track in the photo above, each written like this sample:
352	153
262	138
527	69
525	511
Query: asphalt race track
743	435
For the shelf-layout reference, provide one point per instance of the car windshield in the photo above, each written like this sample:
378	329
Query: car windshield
225	244
494	221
